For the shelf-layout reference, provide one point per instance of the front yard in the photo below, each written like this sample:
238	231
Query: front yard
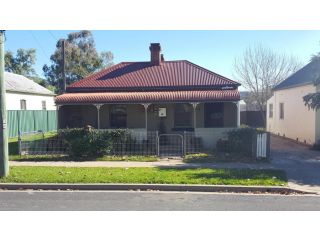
220	157
264	177
39	158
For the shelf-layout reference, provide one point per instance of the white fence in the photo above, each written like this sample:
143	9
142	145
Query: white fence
262	145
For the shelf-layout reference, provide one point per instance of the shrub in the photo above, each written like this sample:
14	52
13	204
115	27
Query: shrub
91	142
240	140
315	147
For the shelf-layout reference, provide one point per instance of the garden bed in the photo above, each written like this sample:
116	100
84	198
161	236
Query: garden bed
64	158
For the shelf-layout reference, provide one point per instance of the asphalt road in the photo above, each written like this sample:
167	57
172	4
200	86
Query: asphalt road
82	200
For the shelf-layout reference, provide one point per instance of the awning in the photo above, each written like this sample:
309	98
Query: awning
148	97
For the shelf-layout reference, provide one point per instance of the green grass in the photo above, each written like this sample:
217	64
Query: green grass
145	175
39	158
13	142
219	157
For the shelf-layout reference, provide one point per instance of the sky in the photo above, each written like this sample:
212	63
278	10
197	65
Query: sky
214	50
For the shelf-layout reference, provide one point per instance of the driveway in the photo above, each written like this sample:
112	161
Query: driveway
301	164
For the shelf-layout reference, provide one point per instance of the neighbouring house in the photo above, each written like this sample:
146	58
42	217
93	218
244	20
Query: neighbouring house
25	94
30	106
287	115
170	97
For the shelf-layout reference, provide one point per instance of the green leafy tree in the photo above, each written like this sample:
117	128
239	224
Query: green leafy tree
312	100
22	63
81	59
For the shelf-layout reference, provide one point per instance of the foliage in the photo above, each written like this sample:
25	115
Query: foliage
260	69
64	158
22	63
315	146
312	100
43	83
91	142
267	177
81	59
220	157
240	140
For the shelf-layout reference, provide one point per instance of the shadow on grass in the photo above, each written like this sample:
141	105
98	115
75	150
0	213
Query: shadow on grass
221	157
229	174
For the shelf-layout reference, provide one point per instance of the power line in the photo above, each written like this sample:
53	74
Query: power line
53	36
36	40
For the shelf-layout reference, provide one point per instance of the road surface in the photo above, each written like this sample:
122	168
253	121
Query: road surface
129	200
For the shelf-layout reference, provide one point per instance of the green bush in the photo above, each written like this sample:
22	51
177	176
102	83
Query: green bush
240	140
92	142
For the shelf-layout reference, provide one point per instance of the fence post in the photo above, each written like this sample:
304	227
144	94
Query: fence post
184	143
254	145
19	142
157	143
268	145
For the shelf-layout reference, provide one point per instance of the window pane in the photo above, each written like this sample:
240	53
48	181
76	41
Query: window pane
281	111
213	114
23	104
183	115
44	105
118	116
270	110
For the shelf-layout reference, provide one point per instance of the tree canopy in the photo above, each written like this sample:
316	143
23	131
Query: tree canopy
259	69
312	100
22	63
81	59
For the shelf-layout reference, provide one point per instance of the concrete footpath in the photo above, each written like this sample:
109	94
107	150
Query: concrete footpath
162	163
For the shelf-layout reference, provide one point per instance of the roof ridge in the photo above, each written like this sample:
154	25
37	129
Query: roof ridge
209	71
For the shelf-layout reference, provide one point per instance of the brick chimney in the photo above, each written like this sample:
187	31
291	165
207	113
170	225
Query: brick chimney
155	50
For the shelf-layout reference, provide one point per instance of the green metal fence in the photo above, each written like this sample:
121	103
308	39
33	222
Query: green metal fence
31	120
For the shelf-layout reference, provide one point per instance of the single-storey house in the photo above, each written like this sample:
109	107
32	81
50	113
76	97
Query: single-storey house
25	94
287	114
156	95
30	106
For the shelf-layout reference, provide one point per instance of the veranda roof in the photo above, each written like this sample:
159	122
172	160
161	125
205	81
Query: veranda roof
149	97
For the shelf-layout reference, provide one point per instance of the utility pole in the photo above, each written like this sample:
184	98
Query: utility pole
63	84
4	164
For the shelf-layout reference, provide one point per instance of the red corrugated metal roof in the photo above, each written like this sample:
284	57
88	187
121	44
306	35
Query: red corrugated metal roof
149	97
137	76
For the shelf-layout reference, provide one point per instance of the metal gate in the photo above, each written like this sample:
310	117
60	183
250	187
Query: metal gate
170	145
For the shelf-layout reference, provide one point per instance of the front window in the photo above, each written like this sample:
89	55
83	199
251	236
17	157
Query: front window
270	110
213	115
183	115
23	104
44	105
118	116
281	109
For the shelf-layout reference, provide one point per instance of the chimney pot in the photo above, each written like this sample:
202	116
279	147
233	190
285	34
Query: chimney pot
155	50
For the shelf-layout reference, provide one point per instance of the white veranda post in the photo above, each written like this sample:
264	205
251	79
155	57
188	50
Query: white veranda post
238	114
146	105
98	106
194	105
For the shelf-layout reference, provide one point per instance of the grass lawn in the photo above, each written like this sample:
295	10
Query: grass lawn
44	158
145	175
219	157
13	142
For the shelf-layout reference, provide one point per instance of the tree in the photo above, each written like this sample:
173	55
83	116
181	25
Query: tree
312	100
22	63
260	69
81	58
